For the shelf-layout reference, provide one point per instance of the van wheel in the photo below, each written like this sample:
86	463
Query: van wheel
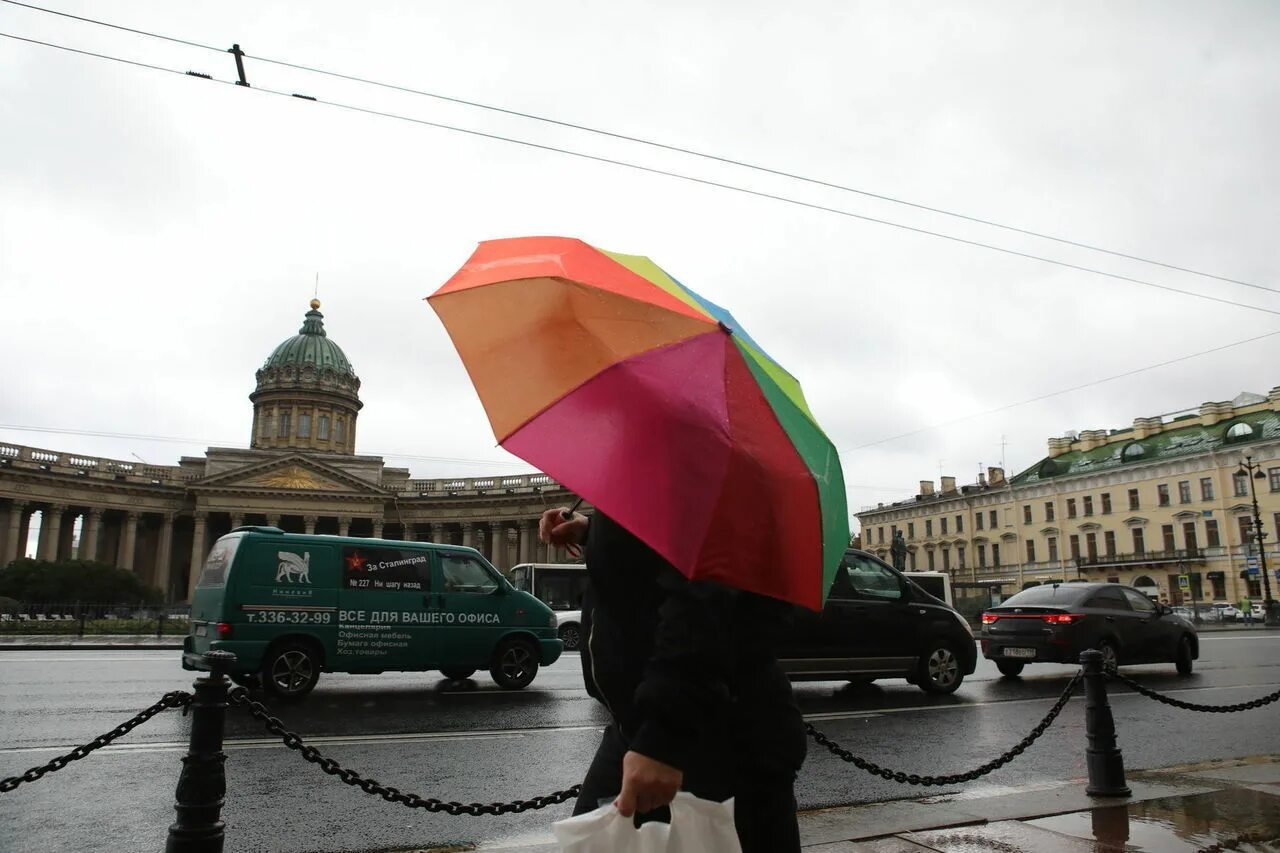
248	681
1011	668
1183	659
290	670
514	664
457	673
939	669
571	635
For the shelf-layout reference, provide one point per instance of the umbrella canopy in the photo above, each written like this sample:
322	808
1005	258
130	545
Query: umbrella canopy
654	405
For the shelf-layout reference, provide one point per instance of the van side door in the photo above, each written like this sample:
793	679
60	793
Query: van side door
283	586
469	598
384	613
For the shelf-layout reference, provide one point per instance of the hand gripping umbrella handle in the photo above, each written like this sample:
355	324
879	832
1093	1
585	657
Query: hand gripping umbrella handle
574	550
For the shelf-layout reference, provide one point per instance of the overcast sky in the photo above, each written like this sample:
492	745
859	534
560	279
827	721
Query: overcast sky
160	234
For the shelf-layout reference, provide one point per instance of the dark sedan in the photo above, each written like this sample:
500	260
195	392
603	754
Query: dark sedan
1056	622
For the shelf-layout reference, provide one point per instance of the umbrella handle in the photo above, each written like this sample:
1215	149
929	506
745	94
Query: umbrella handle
568	513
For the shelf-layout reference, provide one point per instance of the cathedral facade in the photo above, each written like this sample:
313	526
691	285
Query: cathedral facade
300	472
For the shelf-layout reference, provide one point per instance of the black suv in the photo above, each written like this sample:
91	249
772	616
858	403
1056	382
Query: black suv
878	624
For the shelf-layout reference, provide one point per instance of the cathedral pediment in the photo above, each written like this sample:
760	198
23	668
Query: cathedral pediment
295	472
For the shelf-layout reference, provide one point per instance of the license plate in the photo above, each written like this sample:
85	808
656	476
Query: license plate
202	630
1019	653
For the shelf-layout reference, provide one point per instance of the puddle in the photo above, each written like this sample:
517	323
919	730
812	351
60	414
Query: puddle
1192	822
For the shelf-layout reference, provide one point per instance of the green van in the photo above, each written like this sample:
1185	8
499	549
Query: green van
290	605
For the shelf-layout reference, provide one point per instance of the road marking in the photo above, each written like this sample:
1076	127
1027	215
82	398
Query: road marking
94	659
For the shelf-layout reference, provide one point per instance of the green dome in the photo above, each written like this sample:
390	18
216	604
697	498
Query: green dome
311	346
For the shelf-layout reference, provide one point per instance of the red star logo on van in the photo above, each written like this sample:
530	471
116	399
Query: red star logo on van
356	562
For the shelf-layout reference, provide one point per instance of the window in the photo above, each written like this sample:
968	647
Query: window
1052	541
1074	544
995	555
283	431
1166	532
339	430
1273	478
1189	535
304	426
960	556
385	569
946	559
1091	545
982	556
264	428
959	524
911	530
1246	530
1162	494
1184	491
872	580
1026	514
1108	599
1240	481
1106	503
942	523
1031	550
462	573
977	520
1206	488
1276	518
1132	452
995	522
928	528
1048	511
1133	499
1139	541
1238	431
879	535
1138	601
322	432
1088	504
1109	542
1211	534
931	565
1071	507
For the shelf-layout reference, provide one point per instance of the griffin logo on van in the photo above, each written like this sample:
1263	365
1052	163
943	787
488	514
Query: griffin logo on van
293	568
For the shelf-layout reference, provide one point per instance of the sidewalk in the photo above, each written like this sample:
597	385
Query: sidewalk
1174	809
63	642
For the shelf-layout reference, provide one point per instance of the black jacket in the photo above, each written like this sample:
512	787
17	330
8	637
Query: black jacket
686	669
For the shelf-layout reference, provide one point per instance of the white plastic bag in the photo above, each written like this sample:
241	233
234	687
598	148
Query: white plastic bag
697	826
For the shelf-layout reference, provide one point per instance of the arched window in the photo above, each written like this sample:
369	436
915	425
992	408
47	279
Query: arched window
323	428
1144	580
1239	431
1132	452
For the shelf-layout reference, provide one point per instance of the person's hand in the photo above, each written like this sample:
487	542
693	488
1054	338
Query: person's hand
555	529
647	784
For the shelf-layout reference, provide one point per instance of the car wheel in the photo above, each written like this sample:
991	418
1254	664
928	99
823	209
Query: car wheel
571	635
514	664
939	670
457	673
247	680
1011	668
290	671
1183	659
1110	657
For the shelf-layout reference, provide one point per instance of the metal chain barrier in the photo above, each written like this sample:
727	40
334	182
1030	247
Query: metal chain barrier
175	699
240	696
1191	706
954	778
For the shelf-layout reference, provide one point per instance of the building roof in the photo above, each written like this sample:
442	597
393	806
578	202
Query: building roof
1171	442
311	346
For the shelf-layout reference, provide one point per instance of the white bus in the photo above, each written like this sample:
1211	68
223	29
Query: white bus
561	586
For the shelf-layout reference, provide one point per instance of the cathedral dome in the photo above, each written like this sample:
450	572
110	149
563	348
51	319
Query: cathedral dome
311	346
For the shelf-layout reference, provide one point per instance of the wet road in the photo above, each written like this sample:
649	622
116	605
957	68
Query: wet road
473	741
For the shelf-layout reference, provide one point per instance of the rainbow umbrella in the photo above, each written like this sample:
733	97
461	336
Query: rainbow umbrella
654	405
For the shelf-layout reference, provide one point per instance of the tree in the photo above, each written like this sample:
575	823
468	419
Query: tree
40	582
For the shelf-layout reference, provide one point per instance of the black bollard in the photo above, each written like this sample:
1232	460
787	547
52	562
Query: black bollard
1106	764
203	783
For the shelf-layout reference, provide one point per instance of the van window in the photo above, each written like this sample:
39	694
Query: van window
463	573
872	580
386	568
220	557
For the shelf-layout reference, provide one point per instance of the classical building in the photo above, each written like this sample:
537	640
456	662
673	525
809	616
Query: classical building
1143	505
300	473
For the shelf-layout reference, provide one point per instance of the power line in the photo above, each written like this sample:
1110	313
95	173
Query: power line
1063	391
663	172
666	147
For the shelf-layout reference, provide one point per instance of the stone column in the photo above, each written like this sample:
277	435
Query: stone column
344	525
310	522
130	540
511	539
377	528
63	550
89	534
16	511
409	535
50	532
273	520
237	520
164	555
197	550
528	530
468	533
437	534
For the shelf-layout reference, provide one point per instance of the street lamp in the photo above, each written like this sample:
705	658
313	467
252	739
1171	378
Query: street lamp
1254	472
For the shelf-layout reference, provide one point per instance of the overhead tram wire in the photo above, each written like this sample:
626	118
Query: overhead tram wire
654	171
662	146
1059	393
